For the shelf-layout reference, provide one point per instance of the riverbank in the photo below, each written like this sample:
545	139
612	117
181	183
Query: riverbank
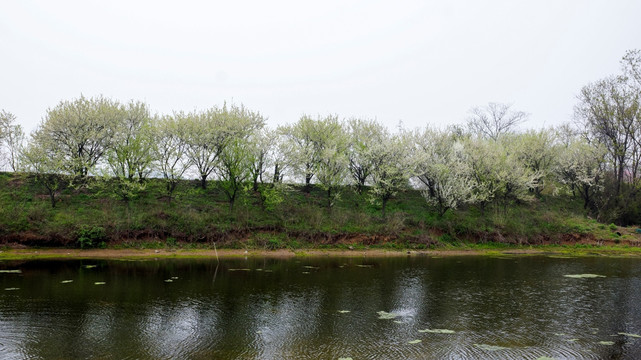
26	254
195	219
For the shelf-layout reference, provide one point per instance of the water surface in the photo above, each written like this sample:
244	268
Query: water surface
322	308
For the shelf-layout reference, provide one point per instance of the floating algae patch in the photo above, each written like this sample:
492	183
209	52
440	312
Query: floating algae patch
174	277
606	342
414	341
66	281
11	271
560	257
584	276
438	331
99	283
11	289
306	272
343	311
399	322
239	269
387	316
89	266
169	280
630	335
489	347
311	267
365	265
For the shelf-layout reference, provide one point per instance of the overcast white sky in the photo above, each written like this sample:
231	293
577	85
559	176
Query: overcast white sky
420	62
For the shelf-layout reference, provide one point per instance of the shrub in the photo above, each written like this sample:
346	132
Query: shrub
446	238
89	237
171	241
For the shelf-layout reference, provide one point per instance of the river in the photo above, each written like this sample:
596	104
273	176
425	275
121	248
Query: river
415	307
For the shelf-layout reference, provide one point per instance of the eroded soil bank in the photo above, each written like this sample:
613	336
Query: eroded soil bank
10	254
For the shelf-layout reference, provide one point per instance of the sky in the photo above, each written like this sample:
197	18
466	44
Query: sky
415	62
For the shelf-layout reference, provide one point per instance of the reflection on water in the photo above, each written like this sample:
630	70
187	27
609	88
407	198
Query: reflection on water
319	308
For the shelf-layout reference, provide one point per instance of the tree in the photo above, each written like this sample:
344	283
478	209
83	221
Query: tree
631	64
610	110
234	168
566	133
494	120
80	130
514	179
391	167
130	154
237	157
279	154
169	152
11	139
305	143
364	136
331	145
579	167
47	168
208	132
203	137
536	150
443	170
499	176
260	145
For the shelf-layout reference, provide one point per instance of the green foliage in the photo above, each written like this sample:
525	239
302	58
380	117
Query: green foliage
171	241
270	241
79	132
446	238
271	195
90	237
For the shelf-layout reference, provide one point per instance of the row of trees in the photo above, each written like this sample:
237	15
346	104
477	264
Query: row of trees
485	162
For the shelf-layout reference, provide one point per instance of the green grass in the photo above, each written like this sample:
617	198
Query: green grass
197	218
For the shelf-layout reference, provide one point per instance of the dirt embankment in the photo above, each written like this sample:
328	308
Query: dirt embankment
259	239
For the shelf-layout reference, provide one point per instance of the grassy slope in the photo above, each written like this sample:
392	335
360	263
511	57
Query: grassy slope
197	218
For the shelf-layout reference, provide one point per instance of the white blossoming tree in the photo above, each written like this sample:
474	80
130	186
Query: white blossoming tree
443	170
391	166
580	167
364	137
81	131
170	150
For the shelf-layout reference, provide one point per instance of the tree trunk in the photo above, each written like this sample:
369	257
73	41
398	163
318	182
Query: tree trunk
171	186
276	174
203	181
586	196
232	200
308	182
52	197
